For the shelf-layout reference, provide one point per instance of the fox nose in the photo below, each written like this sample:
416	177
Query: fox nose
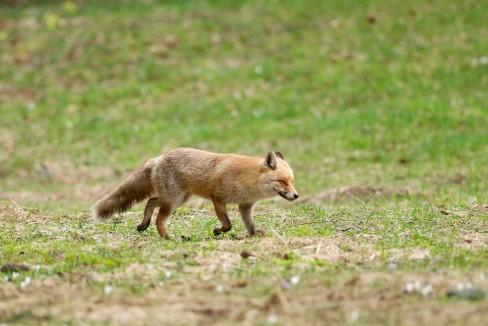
295	196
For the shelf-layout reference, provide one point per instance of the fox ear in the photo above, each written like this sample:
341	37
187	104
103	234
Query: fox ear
270	161
278	154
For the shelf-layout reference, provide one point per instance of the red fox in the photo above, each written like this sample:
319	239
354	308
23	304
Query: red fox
172	178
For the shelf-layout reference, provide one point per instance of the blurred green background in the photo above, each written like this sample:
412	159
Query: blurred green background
354	93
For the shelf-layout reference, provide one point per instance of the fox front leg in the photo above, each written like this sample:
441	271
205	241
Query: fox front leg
246	214
221	212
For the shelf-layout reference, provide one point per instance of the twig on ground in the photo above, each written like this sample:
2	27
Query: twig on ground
279	237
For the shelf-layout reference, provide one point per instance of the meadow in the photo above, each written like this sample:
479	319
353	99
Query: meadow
380	107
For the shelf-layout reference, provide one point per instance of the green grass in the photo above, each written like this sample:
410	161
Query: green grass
365	267
379	106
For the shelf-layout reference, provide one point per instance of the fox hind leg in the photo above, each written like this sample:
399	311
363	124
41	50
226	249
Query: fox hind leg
165	210
164	213
148	211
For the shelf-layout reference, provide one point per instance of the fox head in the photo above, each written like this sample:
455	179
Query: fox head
277	177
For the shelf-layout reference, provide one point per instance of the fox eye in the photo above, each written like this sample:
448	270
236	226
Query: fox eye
283	182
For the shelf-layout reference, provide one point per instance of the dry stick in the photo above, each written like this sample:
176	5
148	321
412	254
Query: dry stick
279	237
286	226
318	248
370	200
355	198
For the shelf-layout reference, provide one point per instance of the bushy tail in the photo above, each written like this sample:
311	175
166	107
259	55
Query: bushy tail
134	188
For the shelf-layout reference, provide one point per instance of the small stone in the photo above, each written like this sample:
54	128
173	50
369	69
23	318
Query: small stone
470	294
371	19
246	254
392	267
276	299
10	267
287	256
241	284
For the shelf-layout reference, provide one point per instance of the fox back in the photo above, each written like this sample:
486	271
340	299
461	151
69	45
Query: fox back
228	177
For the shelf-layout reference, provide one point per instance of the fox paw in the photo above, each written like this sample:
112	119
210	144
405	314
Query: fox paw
258	233
142	227
223	229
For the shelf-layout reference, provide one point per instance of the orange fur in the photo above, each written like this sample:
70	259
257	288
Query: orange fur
172	178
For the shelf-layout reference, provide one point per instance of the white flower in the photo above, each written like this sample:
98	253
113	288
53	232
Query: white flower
354	315
481	61
408	287
272	319
461	286
108	289
294	280
417	285
25	282
427	290
411	287
219	288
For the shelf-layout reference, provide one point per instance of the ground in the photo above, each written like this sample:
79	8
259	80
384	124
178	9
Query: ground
380	108
385	265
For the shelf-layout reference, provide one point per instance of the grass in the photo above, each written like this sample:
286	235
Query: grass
380	108
339	271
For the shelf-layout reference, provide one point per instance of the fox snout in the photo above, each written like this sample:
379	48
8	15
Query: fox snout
289	195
